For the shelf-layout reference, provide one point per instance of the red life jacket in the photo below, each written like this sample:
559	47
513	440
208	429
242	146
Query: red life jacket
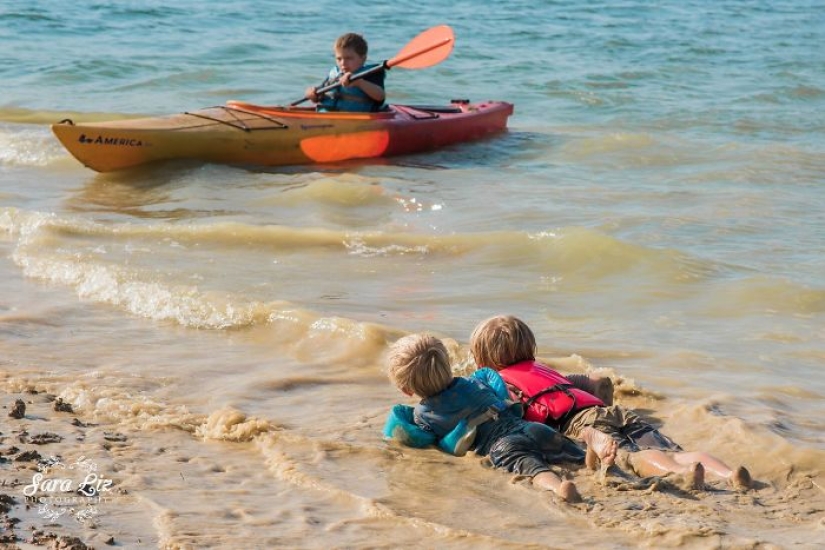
547	396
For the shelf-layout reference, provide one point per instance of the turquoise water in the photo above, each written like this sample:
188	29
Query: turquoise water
656	208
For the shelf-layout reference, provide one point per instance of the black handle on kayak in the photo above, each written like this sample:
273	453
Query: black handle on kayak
320	91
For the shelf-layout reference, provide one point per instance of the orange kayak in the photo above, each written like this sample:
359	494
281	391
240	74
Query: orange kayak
251	135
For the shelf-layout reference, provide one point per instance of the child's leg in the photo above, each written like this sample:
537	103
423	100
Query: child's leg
739	478
549	481
653	462
600	448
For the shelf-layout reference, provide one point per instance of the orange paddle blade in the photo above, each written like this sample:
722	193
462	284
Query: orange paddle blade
425	50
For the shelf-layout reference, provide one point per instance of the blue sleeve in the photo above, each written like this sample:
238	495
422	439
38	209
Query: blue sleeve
401	426
458	441
494	380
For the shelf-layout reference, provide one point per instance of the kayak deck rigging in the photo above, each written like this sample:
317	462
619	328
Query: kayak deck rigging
238	122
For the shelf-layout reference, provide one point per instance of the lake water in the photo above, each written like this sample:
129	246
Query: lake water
656	210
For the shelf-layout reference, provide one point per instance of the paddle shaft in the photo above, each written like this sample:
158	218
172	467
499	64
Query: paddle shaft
385	66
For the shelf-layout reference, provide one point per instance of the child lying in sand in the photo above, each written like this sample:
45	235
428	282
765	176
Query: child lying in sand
507	345
473	413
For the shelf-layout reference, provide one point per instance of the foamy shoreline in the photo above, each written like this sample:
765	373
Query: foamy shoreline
52	455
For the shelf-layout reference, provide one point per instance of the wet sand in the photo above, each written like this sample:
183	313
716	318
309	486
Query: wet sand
43	435
39	429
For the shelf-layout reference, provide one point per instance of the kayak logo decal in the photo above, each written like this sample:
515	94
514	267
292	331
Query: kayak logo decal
118	141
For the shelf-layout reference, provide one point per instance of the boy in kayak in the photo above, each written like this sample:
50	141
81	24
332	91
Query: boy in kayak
472	413
363	94
506	344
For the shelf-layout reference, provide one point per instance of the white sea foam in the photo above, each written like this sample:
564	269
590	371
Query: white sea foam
27	145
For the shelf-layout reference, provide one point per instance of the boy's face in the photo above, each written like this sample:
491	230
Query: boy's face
347	60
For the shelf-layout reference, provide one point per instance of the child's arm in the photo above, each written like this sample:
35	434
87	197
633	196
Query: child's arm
373	90
600	386
400	425
494	380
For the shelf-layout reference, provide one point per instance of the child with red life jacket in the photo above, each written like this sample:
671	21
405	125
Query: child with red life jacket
472	413
506	344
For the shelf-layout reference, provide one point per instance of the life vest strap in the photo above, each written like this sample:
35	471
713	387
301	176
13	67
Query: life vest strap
528	400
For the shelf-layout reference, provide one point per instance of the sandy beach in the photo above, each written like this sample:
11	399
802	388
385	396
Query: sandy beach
37	429
66	485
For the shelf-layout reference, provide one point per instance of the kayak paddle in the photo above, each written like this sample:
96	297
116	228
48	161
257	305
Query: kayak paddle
429	48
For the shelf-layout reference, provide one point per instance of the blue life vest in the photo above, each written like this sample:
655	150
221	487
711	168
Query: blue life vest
350	98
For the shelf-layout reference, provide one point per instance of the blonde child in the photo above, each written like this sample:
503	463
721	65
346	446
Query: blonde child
476	408
506	344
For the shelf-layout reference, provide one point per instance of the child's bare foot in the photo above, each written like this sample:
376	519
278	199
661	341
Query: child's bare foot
600	448
741	479
591	459
695	477
565	489
692	477
568	492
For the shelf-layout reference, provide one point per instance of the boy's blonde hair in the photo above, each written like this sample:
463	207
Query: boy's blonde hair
352	41
420	364
502	341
